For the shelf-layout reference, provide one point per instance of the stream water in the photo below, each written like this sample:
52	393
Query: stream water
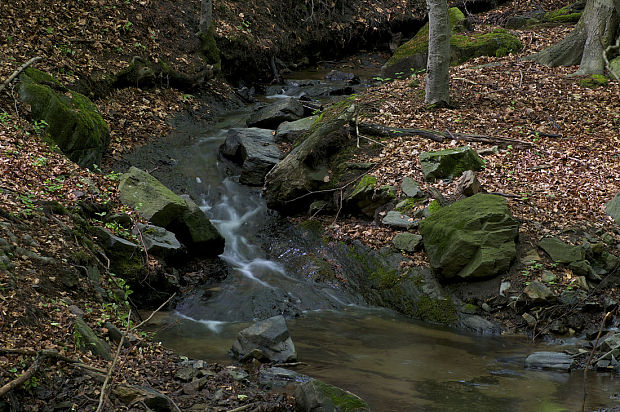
393	363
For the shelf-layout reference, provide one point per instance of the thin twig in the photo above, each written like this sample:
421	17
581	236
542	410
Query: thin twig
242	408
23	378
51	353
18	71
154	312
116	356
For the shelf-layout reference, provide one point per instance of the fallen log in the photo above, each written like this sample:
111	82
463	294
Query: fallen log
438	136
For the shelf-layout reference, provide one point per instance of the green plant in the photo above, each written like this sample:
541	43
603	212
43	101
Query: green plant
40	161
31	384
4	118
140	46
66	49
49	30
127	26
39	126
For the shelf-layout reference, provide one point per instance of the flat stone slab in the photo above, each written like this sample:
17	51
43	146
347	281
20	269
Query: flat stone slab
559	361
612	208
408	242
396	219
561	252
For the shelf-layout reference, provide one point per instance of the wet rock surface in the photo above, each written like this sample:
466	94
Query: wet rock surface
268	340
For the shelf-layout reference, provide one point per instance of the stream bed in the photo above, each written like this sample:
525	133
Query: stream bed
395	364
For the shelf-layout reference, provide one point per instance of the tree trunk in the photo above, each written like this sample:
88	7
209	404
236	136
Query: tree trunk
206	16
585	45
438	63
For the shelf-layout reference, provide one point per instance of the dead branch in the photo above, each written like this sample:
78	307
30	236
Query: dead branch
114	361
23	378
153	313
242	408
53	354
18	71
437	136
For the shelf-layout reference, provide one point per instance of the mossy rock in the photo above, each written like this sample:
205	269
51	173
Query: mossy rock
471	238
316	395
593	81
413	55
74	123
441	311
364	198
567	14
449	163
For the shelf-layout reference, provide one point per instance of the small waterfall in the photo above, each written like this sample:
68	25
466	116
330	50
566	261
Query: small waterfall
255	287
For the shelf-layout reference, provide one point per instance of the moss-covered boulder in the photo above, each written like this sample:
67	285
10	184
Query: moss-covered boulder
612	208
471	238
87	340
593	81
365	197
413	54
73	121
449	163
162	207
316	395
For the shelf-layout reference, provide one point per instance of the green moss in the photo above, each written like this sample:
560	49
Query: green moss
433	207
386	278
208	47
464	48
408	205
74	123
367	182
593	81
436	310
313	226
388	192
323	270
40	77
419	43
342	400
564	15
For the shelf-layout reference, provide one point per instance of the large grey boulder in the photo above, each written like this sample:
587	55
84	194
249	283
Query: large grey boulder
289	132
613	206
311	168
561	252
315	395
449	163
267	340
162	207
255	150
471	238
150	197
270	116
549	360
73	121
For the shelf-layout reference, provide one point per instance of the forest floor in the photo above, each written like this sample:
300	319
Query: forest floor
562	181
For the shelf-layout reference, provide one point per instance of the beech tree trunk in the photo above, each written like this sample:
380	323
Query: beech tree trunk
585	45
206	16
438	63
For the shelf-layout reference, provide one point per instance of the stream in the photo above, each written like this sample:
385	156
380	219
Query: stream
393	363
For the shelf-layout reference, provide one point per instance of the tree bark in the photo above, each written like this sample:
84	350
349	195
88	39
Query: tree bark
206	16
438	63
585	45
